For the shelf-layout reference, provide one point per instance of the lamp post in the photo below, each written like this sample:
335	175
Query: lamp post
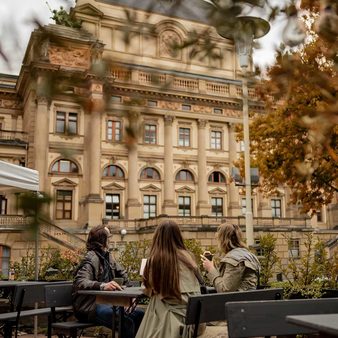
243	29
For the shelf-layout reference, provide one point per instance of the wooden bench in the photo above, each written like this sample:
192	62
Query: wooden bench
268	318
57	296
25	296
210	307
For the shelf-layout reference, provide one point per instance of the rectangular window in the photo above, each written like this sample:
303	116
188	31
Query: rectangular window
3	205
319	215
217	206
114	130
66	123
216	140
150	134
294	248
184	137
186	107
243	201
184	206
218	111
116	99
276	208
112	206
241	146
64	202
149	206
152	103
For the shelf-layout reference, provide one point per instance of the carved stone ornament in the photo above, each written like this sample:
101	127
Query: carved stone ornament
44	50
41	100
232	113
202	109
202	123
168	39
168	120
71	57
170	105
9	104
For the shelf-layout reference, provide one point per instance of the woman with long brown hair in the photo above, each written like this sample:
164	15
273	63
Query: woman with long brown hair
239	268
170	277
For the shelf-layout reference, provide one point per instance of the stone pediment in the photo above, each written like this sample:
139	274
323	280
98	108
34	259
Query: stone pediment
65	183
89	10
113	186
185	189
150	187
218	191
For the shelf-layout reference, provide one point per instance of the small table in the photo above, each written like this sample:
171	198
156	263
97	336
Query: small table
119	299
323	323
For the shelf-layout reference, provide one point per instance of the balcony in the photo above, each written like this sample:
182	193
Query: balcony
13	137
207	223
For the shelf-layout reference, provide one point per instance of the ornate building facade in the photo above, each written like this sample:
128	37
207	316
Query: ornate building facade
124	128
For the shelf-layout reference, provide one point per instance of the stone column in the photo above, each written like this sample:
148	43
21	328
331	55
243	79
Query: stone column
169	206
203	207
41	141
234	202
93	134
133	203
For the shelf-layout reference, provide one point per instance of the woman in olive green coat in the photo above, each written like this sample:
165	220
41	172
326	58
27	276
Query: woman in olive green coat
239	268
170	277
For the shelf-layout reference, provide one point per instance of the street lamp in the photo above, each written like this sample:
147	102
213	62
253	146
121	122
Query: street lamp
243	29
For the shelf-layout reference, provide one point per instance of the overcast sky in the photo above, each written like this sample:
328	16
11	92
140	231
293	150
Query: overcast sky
16	26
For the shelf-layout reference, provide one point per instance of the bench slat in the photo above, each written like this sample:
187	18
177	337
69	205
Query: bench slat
267	318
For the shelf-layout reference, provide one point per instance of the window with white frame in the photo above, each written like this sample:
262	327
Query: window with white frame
243	202
184	206
112	204
150	133
184	137
114	130
294	248
241	146
64	204
276	207
149	206
216	139
66	123
217	206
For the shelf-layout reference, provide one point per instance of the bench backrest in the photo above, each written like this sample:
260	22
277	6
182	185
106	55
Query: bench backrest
58	295
210	307
267	318
33	294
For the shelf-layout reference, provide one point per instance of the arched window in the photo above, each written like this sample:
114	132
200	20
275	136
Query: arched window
65	166
113	171
184	175
150	174
216	177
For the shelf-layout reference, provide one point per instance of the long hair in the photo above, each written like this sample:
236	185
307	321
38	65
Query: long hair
98	238
229	237
162	269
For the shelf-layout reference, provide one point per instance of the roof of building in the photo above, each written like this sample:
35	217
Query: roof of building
196	10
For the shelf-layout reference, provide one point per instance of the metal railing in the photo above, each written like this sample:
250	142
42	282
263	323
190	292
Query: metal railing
46	228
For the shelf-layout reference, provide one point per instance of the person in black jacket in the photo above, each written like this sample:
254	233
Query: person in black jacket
97	271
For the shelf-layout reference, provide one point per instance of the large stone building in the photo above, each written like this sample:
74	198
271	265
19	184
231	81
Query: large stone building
124	128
